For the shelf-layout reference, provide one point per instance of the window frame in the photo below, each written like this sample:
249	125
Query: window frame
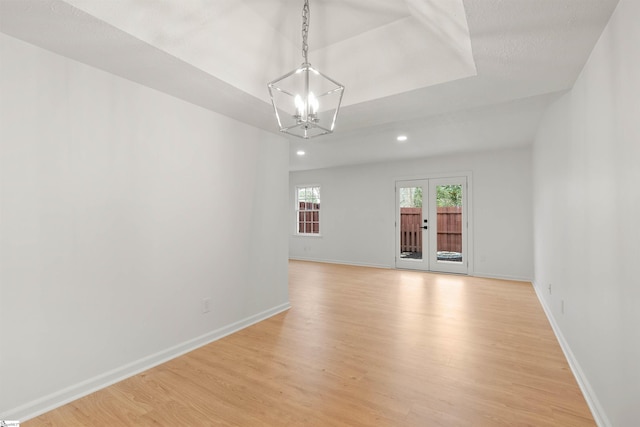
307	212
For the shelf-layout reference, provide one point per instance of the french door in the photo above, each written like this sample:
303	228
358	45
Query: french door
431	225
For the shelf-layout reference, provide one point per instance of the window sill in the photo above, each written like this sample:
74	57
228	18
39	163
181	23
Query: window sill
306	235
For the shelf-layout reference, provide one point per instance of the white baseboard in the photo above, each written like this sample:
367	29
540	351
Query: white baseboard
44	404
502	277
331	261
597	411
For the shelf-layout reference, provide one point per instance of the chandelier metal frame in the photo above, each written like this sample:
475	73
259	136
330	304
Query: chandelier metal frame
305	101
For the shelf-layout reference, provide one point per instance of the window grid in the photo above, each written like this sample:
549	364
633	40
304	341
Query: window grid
308	210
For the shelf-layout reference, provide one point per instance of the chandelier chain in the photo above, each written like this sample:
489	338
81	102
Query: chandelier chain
305	31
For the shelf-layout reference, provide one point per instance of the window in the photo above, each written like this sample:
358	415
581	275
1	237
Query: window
308	210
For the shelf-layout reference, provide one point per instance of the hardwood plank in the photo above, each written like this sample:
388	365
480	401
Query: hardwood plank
362	347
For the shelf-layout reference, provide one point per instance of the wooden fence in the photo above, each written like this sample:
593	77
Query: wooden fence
450	229
309	218
410	232
449	222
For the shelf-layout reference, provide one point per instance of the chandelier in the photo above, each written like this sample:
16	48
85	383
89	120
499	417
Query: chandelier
306	102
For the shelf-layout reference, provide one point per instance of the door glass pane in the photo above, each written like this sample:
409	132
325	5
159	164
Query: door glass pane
449	211
411	223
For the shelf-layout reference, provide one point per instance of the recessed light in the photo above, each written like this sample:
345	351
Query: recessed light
300	153
402	138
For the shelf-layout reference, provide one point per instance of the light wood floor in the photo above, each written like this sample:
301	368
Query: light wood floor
362	347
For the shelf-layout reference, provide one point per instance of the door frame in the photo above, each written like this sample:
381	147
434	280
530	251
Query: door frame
442	266
469	212
423	262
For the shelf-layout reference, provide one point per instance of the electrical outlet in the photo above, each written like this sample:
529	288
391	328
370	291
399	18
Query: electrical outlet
206	305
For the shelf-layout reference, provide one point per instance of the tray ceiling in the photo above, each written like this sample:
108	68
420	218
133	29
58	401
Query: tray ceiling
454	75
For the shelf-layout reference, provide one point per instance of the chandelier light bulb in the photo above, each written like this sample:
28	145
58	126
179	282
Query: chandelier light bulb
300	107
313	102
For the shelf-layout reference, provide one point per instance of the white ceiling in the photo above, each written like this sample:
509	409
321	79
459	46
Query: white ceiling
453	75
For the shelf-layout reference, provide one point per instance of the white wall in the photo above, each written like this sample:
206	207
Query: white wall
358	211
122	209
587	220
